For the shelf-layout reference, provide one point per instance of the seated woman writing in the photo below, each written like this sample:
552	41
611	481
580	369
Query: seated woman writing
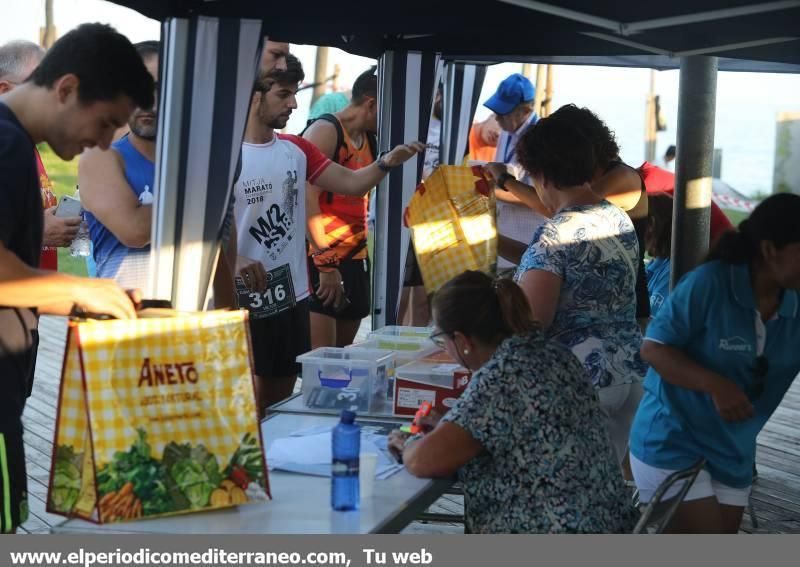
527	433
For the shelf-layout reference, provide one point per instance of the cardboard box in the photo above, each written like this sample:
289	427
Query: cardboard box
425	380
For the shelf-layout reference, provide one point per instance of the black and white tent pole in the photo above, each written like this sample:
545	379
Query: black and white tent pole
208	67
462	88
174	66
406	84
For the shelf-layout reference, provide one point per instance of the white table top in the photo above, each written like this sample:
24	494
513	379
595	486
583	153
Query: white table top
301	503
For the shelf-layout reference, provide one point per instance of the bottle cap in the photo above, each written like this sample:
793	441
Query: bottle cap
348	416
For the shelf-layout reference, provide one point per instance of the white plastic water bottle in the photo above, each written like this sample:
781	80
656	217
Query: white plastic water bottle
80	245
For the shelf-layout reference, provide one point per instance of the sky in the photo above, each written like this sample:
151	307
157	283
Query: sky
747	103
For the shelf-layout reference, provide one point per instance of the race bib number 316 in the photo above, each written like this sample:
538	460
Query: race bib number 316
279	295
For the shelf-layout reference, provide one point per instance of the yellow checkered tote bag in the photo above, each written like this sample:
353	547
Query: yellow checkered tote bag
453	227
156	417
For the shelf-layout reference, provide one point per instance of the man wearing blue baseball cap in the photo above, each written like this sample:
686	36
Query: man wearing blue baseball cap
513	102
512	105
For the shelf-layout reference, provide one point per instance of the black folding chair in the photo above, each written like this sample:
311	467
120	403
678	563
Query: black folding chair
426	517
750	508
659	511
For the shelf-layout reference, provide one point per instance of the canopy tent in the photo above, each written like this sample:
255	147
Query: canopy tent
629	32
657	62
207	75
740	29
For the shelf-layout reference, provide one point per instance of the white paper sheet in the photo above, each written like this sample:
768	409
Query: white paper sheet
309	452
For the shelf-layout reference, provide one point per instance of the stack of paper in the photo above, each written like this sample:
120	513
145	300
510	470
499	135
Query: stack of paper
309	452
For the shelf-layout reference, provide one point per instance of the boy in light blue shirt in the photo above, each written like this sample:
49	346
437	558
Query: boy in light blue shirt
658	242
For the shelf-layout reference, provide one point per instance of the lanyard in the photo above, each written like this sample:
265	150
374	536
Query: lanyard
506	154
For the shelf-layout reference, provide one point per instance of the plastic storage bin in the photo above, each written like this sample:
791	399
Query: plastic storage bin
404	350
401	331
352	379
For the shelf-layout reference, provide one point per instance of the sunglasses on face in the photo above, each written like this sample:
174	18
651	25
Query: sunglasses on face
439	338
760	370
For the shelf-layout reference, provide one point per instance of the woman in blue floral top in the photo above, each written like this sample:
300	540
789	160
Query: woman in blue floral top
527	433
579	272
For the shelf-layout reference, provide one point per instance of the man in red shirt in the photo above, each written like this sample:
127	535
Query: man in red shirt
270	208
659	180
18	59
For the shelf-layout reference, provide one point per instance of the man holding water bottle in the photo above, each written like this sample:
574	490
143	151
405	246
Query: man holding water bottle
85	87
18	59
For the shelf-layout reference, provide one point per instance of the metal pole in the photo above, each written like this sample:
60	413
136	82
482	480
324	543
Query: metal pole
650	121
173	71
527	70
49	30
548	99
693	163
320	74
717	172
540	81
448	103
380	253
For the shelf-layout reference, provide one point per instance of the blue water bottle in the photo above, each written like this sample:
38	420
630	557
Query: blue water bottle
346	447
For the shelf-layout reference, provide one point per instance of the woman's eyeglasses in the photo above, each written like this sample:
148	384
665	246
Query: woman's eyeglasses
439	338
760	370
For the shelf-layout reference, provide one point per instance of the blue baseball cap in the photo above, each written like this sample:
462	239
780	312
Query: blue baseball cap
514	90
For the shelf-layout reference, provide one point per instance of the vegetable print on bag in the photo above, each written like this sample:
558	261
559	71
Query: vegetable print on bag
156	417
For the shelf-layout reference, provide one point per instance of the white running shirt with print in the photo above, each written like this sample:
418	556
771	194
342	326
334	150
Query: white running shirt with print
270	204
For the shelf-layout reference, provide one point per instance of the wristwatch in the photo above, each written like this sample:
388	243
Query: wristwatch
382	164
501	181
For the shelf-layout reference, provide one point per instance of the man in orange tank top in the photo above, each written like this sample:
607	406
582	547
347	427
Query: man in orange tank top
337	224
483	138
